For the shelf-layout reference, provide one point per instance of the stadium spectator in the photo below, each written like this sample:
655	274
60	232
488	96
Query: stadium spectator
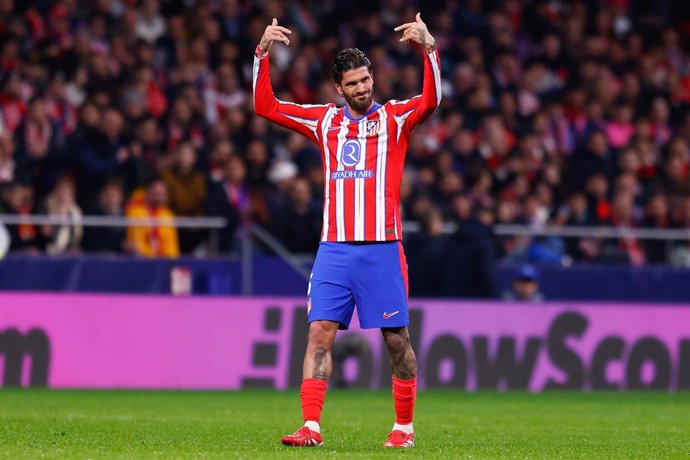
680	218
187	190
575	213
621	128
229	198
183	125
61	202
14	90
598	203
5	242
281	176
103	152
525	286
18	200
107	239
425	252
656	215
39	147
224	94
158	240
628	248
8	166
150	25
467	269
148	146
297	223
595	158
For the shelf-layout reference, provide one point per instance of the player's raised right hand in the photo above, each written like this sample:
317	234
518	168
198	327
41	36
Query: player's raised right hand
274	32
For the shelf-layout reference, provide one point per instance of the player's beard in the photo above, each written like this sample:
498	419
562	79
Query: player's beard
359	103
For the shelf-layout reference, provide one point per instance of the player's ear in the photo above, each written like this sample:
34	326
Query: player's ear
338	89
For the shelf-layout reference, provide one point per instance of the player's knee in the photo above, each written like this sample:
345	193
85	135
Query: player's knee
320	337
396	344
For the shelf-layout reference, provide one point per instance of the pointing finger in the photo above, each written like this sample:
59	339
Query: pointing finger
404	26
283	29
280	37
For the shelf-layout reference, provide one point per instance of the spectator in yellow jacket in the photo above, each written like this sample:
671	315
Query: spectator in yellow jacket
157	240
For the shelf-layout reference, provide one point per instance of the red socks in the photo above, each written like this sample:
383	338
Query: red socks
404	397
312	393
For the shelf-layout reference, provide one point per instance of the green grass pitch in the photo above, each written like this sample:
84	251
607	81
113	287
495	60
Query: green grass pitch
248	424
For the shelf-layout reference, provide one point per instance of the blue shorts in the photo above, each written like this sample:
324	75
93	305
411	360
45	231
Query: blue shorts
371	276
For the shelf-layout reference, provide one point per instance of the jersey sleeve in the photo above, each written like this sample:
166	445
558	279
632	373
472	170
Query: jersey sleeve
302	118
412	112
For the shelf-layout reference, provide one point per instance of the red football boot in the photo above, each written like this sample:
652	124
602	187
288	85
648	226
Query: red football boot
399	438
304	437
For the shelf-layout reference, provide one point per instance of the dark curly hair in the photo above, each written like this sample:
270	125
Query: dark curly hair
348	59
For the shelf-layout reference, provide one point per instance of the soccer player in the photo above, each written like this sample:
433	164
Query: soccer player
360	260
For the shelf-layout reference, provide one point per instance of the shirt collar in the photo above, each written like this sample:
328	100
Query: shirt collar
373	109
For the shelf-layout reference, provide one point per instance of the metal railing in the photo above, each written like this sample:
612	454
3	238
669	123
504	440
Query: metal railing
216	223
248	233
114	221
295	261
641	233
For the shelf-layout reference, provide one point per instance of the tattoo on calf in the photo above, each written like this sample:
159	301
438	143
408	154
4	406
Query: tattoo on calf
320	365
404	365
403	359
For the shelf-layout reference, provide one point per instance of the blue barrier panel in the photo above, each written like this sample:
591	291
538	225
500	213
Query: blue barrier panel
273	276
615	283
116	274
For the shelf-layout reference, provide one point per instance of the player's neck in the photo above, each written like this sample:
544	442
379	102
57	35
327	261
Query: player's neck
354	113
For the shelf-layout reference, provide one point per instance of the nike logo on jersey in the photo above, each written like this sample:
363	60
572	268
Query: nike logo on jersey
390	315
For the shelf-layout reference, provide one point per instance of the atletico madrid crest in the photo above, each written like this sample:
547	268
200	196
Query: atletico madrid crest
372	127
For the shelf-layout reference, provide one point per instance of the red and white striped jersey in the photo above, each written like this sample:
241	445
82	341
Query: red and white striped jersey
363	157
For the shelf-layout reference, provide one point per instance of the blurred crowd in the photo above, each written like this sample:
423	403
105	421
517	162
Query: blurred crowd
555	112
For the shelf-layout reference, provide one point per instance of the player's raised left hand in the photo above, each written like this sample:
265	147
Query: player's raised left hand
274	32
417	32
